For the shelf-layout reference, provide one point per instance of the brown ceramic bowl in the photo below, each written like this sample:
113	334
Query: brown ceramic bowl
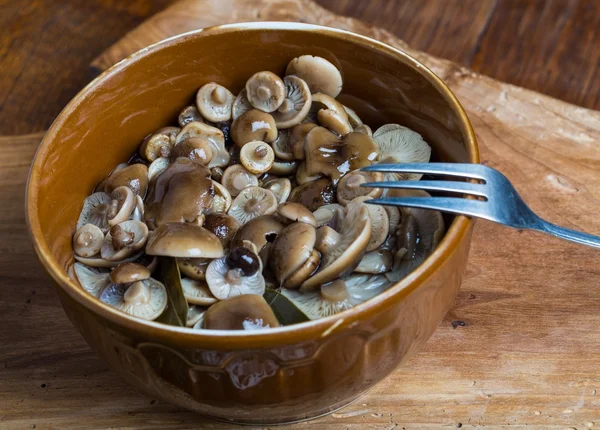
285	374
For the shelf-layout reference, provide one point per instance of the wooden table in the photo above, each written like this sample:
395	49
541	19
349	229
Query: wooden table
527	355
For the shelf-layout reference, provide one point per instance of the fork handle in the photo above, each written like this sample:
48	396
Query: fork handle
568	234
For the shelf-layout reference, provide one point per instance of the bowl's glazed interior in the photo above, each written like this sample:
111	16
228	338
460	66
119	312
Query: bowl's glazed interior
104	125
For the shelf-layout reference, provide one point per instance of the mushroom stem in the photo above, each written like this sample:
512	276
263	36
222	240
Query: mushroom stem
219	95
261	151
286	106
121	237
253	205
138	293
326	239
263	93
233	276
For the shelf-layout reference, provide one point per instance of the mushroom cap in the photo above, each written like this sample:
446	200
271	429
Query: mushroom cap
194	148
184	240
155	146
302	177
353	118
297	136
314	194
342	258
257	156
143	299
137	232
398	144
134	176
261	231
281	146
195	314
251	203
380	223
377	261
324	154
87	240
91	279
214	102
181	193
305	270
157	167
241	105
364	129
226	282
320	75
189	114
126	273
101	263
265	91
281	187
360	150
223	226
245	312
324	214
296	105
95	211
197	292
214	136
283	168
349	186
394	216
334	121
323	101
169	131
193	268
236	178
123	202
292	247
296	212
222	199
253	125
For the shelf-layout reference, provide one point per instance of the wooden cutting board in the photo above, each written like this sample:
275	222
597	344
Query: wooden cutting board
519	349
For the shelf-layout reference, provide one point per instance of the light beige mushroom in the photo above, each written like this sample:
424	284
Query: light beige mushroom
221	201
189	114
245	312
364	129
155	146
95	211
252	202
253	125
223	226
314	194
226	281
283	168
257	157
296	105
340	258
324	214
399	144
236	178
193	148
214	102
349	187
293	257
323	101
87	240
262	232
126	273
241	105
380	223
281	146
302	177
334	122
320	74
280	187
377	261
197	292
123	240
214	136
93	280
157	167
297	136
296	212
265	91
184	240
142	299
193	268
134	177
353	118
122	204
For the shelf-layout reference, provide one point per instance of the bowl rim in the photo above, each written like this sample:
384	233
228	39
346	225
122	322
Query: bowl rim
234	340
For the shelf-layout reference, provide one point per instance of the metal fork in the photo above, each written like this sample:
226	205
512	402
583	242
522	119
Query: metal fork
502	205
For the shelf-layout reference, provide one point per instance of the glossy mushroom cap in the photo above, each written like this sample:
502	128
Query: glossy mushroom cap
314	194
296	212
280	187
262	232
122	204
127	273
214	102
292	248
296	105
189	114
214	136
253	125
265	91
297	136
158	144
334	121
184	240
134	177
193	148
320	75
223	226
257	157
245	312
349	186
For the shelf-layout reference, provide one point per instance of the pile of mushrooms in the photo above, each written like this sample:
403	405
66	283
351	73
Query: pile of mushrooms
249	213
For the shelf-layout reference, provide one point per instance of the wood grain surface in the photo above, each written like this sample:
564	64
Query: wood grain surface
519	349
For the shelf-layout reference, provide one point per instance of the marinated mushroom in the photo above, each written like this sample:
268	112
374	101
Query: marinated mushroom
155	146
252	202
122	204
253	125
193	148
95	211
123	240
157	167
245	312
222	199
134	177
126	273
184	240
87	240
320	74
398	144
296	104
197	292
353	118
280	187
340	257
302	177
377	261
283	168
193	268
214	102
297	136
349	186
322	101
223	226
93	280
236	178
229	277
214	136
364	129
189	114
293	257
380	223
143	299
281	146
314	194
325	214
265	91
257	157
296	212
262	232
334	121
241	105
